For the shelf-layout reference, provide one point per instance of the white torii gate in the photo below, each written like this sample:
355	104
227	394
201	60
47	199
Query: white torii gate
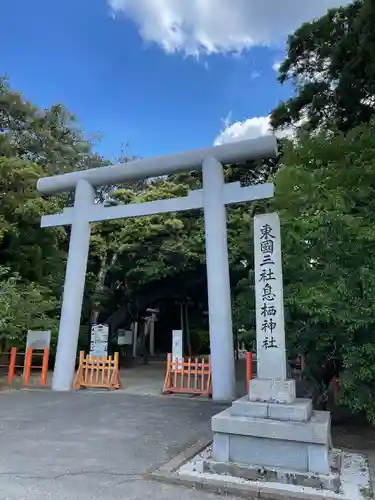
213	198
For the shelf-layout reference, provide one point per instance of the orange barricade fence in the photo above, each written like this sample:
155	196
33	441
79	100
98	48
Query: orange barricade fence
188	376
8	364
97	372
249	369
27	365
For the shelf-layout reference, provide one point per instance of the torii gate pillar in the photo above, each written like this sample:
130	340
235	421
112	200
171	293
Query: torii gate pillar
218	282
74	286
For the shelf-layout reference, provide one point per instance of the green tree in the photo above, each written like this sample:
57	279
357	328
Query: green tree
23	307
326	198
49	138
34	253
36	142
330	64
130	254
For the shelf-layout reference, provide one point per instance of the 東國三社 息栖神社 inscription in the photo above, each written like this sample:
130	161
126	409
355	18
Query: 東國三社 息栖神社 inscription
270	329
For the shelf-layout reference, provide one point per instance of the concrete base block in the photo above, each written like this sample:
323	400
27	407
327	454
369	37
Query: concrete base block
348	479
318	458
329	482
245	408
298	411
270	453
220	447
261	441
316	431
272	391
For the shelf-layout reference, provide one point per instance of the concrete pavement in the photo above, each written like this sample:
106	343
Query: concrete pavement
95	445
92	445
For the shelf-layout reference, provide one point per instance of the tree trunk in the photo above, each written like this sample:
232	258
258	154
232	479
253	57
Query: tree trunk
94	316
143	342
99	287
100	283
182	323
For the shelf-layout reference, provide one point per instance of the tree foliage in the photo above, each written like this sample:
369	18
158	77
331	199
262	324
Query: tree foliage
330	62
33	143
326	198
23	306
49	138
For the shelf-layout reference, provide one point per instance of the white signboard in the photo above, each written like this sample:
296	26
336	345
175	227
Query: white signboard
99	340
38	339
242	351
124	337
270	329
177	345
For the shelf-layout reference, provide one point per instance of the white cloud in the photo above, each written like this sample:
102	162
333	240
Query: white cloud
251	128
276	66
194	27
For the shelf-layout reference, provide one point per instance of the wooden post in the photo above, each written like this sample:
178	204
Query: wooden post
202	374
27	366
167	380
249	369
336	391
196	374
12	364
135	338
209	383
43	376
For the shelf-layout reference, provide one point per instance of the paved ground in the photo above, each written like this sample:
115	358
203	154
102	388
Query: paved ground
138	379
94	445
148	379
101	445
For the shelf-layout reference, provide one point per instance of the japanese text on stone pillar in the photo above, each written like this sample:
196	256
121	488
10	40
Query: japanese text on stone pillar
266	278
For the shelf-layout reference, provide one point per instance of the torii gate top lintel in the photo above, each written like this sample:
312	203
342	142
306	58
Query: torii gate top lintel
234	152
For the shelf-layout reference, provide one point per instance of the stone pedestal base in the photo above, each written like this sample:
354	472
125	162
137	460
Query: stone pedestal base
289	436
272	445
330	482
272	391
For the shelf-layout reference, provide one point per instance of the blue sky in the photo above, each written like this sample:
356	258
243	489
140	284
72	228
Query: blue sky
131	81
